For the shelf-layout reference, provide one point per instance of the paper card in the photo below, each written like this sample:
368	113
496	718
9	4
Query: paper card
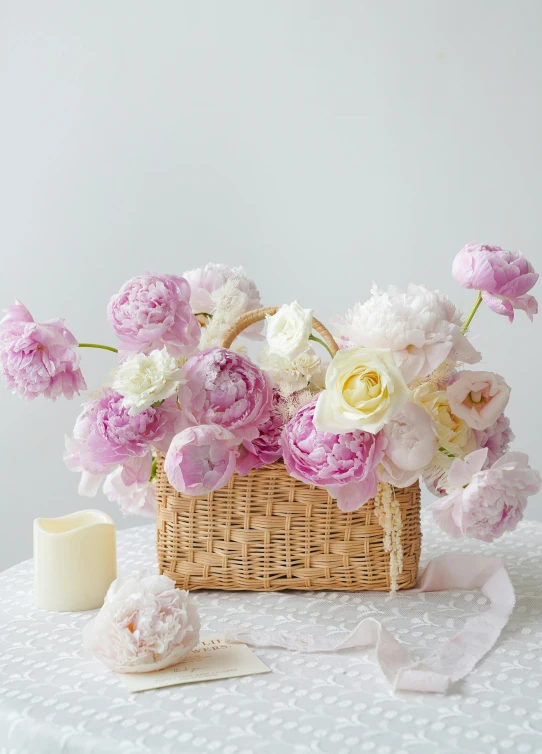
212	659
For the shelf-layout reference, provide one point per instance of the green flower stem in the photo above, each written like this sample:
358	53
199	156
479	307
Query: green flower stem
472	312
319	340
203	314
97	345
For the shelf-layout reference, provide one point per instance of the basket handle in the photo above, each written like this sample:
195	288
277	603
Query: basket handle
256	315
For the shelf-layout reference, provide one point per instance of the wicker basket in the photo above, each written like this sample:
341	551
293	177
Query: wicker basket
267	531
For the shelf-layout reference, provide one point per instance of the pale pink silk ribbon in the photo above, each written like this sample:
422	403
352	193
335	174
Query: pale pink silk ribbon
450	663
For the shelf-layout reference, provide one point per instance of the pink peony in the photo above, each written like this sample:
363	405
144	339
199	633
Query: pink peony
106	436
145	624
344	464
201	459
206	280
136	499
421	327
267	447
496	439
225	388
412	443
486	503
478	397
504	277
153	311
38	359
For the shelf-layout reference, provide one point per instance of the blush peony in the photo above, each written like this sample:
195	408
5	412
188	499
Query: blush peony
486	503
344	464
38	359
201	459
504	278
225	388
152	312
145	624
411	445
421	327
496	439
206	281
135	499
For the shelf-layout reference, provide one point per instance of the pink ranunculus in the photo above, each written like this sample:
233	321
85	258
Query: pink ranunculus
504	277
204	281
201	459
478	397
225	388
486	503
106	436
496	439
38	358
136	499
267	447
344	464
152	312
412	443
145	624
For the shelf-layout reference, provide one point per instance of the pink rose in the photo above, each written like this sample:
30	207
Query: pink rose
145	624
201	459
478	397
38	359
225	388
486	503
344	464
504	277
411	445
153	311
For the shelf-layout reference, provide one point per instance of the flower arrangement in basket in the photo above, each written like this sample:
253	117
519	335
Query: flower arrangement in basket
299	469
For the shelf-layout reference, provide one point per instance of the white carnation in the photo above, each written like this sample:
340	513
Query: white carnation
288	330
421	327
296	373
143	379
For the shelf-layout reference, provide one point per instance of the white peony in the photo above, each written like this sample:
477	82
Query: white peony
297	373
146	379
288	330
411	446
364	390
421	327
145	624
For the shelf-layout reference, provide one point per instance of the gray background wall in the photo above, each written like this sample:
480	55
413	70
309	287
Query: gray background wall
321	144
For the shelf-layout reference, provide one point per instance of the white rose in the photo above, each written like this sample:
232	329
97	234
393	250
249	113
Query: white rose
143	380
296	372
288	330
364	390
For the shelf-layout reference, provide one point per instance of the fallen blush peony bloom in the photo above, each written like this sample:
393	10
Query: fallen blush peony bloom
145	624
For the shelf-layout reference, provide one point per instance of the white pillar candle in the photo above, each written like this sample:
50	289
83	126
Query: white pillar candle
75	561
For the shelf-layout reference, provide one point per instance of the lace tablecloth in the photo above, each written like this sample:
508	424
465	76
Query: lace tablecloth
53	698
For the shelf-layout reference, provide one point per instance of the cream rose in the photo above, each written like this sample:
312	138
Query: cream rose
478	397
364	390
288	330
454	434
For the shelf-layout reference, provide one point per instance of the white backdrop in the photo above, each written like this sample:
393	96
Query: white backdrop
321	144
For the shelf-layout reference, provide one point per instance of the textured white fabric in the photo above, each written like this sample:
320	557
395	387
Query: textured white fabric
55	699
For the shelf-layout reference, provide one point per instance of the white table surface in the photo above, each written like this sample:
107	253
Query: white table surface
53	698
